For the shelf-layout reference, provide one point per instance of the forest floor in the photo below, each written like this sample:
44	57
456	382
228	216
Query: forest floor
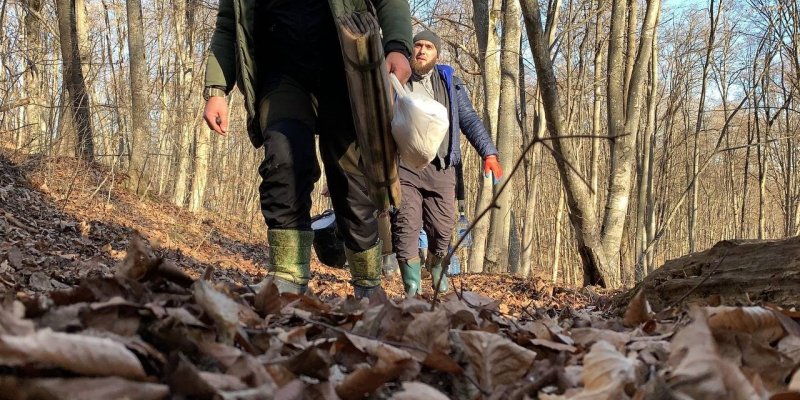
90	311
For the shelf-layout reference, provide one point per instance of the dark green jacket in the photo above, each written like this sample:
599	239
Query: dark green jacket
231	57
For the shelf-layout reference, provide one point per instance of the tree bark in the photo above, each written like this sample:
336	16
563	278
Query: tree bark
743	271
139	121
73	79
488	50
599	246
34	112
497	256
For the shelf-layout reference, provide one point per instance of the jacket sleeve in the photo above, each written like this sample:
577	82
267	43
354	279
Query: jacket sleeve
394	17
221	62
470	123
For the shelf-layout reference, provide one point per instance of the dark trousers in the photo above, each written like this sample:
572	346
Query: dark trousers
303	91
429	204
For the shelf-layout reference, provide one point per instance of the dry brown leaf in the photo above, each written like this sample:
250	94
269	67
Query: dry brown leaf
698	371
478	301
553	345
605	373
85	389
605	365
223	310
460	315
428	331
794	383
757	321
77	353
139	260
772	366
11	323
638	311
494	359
392	363
588	336
418	390
790	346
268	299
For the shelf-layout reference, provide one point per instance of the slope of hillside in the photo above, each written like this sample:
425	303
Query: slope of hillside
63	221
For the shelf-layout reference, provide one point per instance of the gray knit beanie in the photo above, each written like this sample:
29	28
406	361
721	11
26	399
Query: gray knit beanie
431	37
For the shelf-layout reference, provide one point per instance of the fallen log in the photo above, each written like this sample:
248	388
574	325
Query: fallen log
738	271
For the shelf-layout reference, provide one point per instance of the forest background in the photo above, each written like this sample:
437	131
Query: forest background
645	130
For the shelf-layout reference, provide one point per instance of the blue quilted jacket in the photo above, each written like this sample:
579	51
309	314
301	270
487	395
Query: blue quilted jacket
463	118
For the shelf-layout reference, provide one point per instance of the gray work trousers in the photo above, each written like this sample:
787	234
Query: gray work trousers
428	203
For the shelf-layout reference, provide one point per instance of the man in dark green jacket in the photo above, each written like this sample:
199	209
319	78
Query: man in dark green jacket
286	58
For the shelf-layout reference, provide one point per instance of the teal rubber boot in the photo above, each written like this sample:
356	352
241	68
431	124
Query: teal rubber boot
411	271
365	269
290	259
434	264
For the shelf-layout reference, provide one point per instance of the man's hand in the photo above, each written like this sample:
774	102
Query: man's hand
398	64
216	115
490	164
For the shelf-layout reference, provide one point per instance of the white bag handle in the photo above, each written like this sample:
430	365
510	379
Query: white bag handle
398	87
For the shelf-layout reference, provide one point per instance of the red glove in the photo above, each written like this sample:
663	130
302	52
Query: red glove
490	164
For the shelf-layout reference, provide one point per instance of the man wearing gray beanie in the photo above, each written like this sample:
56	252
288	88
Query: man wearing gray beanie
429	194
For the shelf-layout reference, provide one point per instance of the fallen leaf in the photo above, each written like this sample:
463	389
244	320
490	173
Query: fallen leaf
605	373
77	353
392	363
494	359
83	389
418	390
429	331
698	371
588	336
638	311
790	346
743	350
794	383
553	345
14	257
268	300
11	324
757	321
223	310
139	260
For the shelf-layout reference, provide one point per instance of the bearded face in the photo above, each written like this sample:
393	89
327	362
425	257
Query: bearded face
424	57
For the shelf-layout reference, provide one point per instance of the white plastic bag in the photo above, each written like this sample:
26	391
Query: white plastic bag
419	125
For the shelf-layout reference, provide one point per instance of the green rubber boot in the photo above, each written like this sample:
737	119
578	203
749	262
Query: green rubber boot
365	269
411	271
434	264
290	259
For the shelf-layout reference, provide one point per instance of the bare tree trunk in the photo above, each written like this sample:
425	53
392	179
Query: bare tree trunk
507	129
692	220
557	239
599	246
531	180
644	208
140	120
183	49
73	79
488	49
200	176
34	112
598	95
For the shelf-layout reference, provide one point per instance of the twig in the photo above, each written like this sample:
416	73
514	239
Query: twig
19	224
711	272
342	331
71	185
493	203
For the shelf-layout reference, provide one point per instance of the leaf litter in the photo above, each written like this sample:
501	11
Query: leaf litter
152	332
141	324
